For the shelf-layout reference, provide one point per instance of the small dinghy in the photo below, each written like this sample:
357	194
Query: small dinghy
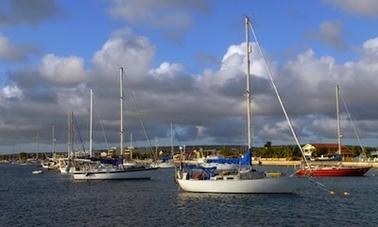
37	172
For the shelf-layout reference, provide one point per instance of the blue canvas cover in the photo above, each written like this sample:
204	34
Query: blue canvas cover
166	158
108	161
245	160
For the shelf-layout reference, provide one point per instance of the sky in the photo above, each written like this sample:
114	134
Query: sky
185	63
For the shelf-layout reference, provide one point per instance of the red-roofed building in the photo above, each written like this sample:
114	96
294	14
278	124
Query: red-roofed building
327	149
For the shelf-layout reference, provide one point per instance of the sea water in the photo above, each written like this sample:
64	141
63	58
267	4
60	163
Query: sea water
52	199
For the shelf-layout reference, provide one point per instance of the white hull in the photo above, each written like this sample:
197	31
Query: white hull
164	165
66	170
37	172
254	186
116	175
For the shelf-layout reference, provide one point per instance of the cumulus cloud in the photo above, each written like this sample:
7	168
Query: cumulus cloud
331	33
205	107
13	52
28	12
371	46
125	49
166	69
62	70
10	92
362	7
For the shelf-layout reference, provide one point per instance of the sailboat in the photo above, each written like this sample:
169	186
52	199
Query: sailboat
66	164
337	170
166	161
109	170
196	178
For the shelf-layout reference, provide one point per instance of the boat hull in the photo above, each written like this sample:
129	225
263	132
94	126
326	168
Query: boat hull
136	174
267	185
37	172
333	171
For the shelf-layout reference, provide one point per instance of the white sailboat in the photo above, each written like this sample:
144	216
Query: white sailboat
244	180
98	170
167	162
66	164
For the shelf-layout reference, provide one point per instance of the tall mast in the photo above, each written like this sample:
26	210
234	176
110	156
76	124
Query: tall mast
131	139
72	136
131	146
91	124
69	134
338	120
121	106
37	142
172	138
248	90
53	138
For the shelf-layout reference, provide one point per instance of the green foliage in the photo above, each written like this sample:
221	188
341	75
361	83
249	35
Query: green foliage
23	156
268	145
356	150
288	151
319	152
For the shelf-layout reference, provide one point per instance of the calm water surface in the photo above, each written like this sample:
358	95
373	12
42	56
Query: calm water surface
52	199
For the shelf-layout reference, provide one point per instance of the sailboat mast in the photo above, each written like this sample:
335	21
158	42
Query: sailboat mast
131	139
72	136
338	120
53	138
131	146
248	90
91	124
37	142
69	135
121	106
172	138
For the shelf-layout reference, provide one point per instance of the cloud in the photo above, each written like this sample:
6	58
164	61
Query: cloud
371	46
62	70
125	49
362	7
10	92
33	12
166	69
174	17
206	107
12	52
330	32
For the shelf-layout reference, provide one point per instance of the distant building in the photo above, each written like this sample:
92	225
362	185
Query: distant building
328	149
374	155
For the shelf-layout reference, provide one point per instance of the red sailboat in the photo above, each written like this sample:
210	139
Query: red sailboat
332	171
336	170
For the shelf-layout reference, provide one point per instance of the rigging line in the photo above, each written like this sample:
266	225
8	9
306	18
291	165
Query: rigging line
142	123
78	132
322	186
353	125
278	95
98	117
